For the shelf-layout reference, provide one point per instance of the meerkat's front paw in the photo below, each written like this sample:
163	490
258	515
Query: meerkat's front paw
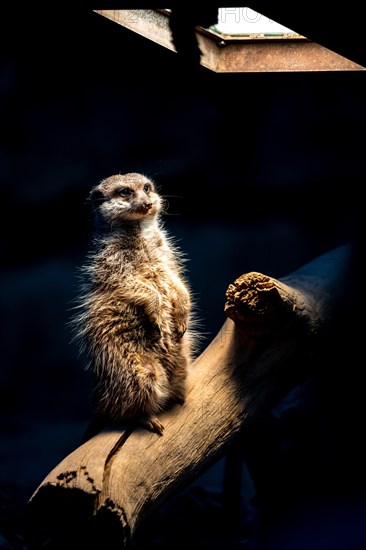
181	323
157	320
181	329
181	318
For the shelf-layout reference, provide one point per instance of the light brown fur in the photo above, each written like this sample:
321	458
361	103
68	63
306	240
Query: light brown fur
135	306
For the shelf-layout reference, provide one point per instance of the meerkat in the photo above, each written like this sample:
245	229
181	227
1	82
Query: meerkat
135	306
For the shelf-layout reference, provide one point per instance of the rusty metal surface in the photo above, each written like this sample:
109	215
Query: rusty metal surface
240	54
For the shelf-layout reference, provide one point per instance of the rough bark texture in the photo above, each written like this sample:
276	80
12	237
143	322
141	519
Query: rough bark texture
105	488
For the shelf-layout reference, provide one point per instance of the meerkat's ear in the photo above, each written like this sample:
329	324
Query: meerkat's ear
96	196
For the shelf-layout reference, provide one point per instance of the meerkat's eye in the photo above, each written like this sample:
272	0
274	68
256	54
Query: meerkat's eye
147	187
124	192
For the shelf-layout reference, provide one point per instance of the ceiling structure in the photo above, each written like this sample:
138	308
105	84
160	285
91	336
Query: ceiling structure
338	28
231	53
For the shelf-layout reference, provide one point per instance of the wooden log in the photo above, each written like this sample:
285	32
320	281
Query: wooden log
104	489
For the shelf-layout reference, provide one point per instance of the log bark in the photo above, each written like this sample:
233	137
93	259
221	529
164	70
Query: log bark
105	488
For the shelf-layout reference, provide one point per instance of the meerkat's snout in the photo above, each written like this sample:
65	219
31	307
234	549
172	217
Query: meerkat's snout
147	206
142	207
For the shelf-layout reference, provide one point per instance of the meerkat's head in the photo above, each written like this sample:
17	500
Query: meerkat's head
125	198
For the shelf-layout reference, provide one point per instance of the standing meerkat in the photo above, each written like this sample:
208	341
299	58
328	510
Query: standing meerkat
135	305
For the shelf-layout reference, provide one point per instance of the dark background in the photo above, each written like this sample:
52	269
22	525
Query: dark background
267	172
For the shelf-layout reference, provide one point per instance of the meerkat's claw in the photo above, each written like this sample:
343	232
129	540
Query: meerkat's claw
153	425
181	330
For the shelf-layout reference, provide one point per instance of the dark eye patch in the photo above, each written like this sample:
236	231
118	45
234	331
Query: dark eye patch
147	187
124	192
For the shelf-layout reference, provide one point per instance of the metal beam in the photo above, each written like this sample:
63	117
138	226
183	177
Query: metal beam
229	54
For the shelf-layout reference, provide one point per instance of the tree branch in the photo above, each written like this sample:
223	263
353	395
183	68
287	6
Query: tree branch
107	486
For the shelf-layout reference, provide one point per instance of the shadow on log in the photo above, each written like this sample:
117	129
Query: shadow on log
100	493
